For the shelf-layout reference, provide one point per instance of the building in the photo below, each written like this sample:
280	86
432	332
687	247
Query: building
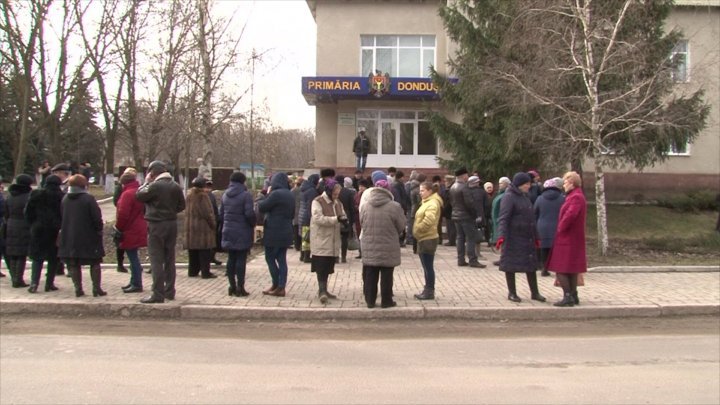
372	72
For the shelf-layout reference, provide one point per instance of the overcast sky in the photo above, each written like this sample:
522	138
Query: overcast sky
287	32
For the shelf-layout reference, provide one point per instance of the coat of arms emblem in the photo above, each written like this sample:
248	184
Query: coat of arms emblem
379	84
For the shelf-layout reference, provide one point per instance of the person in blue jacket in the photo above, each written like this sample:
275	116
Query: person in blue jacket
279	210
237	219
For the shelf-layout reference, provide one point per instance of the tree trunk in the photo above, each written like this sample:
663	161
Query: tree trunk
602	232
24	118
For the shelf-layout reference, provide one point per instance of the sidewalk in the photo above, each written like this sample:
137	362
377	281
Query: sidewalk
461	293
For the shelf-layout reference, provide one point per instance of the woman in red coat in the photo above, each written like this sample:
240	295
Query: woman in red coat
131	222
567	257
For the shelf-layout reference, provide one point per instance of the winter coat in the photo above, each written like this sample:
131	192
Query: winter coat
309	192
347	198
415	198
130	218
163	199
43	213
17	237
361	146
382	221
400	195
199	221
324	226
81	234
427	217
279	209
463	205
297	195
238	218
568	252
517	225
496	215
535	191
479	197
547	210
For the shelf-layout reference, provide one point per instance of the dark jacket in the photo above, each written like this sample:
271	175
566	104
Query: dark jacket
163	199
517	225
17	238
129	218
347	199
238	218
279	209
547	211
495	214
43	213
480	198
2	224
361	146
536	189
400	195
309	192
462	202
81	236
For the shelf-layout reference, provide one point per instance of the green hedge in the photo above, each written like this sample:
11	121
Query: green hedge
694	201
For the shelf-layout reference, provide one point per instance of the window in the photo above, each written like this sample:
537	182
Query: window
680	61
398	55
679	150
403	132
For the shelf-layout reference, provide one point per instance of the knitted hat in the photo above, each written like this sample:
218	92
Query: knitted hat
127	178
504	180
383	184
329	186
24	180
347	182
53	179
521	178
558	182
549	183
378	175
533	173
473	181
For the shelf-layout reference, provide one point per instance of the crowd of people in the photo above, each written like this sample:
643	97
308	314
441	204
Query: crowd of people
535	226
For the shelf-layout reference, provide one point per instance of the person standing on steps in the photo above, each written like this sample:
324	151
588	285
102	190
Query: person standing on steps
567	257
81	238
327	219
425	231
44	214
517	235
279	209
164	200
238	218
361	148
17	230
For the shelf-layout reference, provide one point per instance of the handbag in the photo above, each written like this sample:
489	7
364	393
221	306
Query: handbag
353	241
117	236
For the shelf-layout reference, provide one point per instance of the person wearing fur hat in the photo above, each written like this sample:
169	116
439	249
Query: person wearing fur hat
328	218
130	221
44	214
17	231
547	211
465	216
517	236
164	200
81	239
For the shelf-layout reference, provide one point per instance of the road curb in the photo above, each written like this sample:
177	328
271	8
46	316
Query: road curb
229	313
655	269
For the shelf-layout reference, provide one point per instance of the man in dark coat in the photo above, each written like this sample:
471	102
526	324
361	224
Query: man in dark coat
346	197
464	216
238	223
279	209
44	214
517	236
361	148
547	212
17	232
163	200
308	192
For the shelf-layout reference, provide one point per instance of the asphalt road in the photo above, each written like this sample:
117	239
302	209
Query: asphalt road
612	361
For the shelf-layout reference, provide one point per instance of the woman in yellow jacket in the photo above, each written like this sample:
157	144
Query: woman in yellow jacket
425	232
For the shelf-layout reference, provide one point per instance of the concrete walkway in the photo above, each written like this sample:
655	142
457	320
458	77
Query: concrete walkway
461	293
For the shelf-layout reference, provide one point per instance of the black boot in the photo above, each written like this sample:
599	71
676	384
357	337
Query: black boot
534	291
322	293
307	258
76	276
241	292
232	288
35	276
567	301
512	292
426	294
575	298
50	277
96	277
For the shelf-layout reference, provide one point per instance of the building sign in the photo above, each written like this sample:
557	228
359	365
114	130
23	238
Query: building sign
346	119
379	86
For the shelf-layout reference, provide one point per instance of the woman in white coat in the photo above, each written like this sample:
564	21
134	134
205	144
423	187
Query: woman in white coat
326	220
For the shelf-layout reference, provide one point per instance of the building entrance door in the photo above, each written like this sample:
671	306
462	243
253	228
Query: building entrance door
396	143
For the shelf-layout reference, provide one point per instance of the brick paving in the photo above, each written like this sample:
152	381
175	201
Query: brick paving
457	288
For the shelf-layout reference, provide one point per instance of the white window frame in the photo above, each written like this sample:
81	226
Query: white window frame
686	54
673	152
424	65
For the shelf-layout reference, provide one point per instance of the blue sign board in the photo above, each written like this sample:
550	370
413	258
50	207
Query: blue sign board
332	88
